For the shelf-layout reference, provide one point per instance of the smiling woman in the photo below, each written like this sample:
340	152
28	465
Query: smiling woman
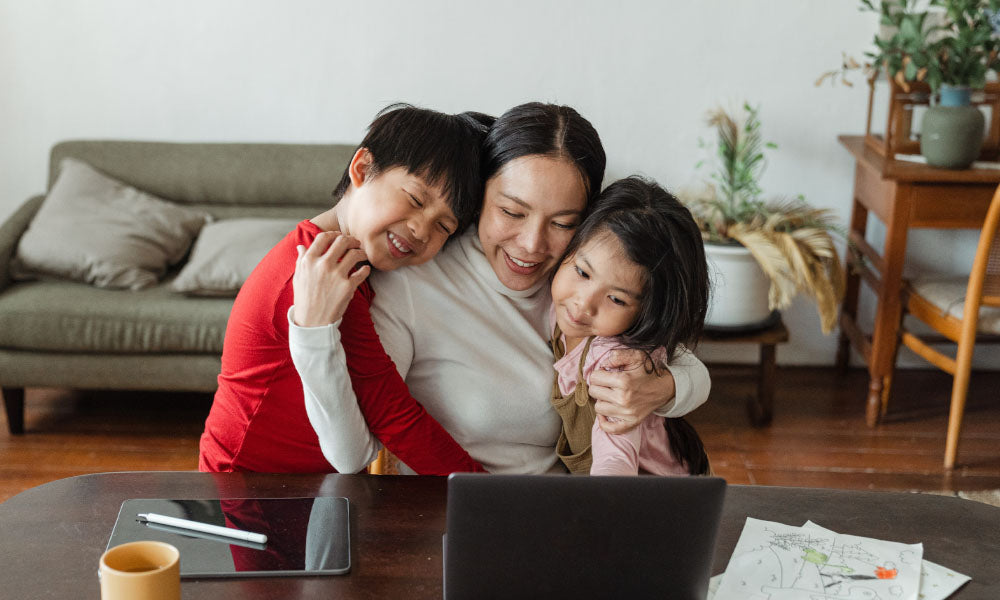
530	210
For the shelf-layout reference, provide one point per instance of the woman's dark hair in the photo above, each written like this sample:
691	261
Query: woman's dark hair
549	130
443	149
659	234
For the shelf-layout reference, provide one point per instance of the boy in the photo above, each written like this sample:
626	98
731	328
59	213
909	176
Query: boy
412	183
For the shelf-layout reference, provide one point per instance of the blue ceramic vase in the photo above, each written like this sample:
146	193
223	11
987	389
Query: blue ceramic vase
951	133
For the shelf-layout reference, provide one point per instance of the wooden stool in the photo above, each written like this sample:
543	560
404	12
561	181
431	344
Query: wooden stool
759	408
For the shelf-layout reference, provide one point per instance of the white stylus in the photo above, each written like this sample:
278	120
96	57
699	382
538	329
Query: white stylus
238	534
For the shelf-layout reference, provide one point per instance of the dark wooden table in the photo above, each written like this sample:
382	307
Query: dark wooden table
52	536
903	195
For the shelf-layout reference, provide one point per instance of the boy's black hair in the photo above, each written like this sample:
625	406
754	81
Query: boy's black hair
659	234
551	130
443	149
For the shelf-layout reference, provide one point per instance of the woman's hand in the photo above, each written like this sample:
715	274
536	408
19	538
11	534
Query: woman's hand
323	283
625	393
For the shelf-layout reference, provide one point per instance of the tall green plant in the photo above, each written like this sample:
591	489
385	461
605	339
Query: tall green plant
741	160
739	164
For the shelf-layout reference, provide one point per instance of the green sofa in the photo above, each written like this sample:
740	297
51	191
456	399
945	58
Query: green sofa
72	335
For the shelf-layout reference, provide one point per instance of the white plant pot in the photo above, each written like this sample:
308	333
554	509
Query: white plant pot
738	297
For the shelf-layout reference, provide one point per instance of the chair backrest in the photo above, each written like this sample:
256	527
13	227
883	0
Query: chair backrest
984	280
991	282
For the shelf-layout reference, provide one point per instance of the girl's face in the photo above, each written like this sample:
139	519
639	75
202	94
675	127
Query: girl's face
399	218
530	209
597	290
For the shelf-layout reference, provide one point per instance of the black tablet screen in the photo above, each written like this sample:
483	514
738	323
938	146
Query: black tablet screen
305	536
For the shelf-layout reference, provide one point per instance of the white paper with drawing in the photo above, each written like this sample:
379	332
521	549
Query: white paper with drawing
774	561
936	582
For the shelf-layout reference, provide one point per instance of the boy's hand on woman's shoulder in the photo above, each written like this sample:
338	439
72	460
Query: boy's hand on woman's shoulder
325	278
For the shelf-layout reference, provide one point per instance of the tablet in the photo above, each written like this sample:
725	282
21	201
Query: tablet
305	536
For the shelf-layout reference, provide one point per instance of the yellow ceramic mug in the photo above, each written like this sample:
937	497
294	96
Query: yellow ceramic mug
141	571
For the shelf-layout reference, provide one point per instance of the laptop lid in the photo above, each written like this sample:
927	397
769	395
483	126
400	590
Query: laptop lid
532	536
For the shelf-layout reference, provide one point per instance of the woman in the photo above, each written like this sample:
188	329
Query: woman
468	329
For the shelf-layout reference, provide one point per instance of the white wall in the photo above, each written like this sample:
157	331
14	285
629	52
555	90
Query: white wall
644	72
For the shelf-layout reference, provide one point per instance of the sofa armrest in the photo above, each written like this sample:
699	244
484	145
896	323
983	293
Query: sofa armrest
10	233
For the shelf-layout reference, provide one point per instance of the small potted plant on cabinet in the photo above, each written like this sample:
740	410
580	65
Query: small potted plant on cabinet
761	252
948	45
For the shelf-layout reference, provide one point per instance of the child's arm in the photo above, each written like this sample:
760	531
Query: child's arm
323	285
333	411
391	414
615	453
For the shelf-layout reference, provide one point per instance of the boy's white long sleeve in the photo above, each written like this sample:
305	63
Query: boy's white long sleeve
331	405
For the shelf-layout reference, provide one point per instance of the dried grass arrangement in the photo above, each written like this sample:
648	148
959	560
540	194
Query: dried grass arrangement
790	240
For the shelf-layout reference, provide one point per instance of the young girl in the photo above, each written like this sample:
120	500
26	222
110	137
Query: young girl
633	276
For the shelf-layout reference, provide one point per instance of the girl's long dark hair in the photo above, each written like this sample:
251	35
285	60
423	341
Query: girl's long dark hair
659	234
686	445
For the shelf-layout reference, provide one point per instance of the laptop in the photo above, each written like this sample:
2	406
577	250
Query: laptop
566	536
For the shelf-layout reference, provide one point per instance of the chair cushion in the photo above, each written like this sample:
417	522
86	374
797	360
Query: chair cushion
948	294
72	317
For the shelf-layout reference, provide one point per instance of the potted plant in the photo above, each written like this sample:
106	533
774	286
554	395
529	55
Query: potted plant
762	252
951	45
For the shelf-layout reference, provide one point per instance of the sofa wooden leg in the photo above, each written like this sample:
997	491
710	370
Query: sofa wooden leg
13	403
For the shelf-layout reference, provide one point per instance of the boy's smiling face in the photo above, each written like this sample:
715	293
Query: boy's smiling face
399	218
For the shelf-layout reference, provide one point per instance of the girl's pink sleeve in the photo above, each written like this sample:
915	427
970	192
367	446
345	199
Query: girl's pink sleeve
615	454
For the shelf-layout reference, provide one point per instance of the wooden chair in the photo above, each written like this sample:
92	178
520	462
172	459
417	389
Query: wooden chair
385	463
963	311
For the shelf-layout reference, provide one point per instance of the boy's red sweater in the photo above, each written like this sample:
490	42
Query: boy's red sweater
258	421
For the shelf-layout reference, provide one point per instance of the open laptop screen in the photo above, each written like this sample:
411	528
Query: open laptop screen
530	536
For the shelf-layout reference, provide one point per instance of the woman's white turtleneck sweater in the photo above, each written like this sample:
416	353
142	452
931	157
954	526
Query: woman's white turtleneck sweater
474	353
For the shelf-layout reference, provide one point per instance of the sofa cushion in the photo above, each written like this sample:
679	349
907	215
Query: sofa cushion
95	229
225	254
73	317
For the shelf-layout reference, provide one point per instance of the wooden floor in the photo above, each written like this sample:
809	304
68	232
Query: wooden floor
818	437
